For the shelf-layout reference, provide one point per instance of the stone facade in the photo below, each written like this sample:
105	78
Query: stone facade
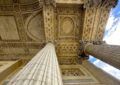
27	25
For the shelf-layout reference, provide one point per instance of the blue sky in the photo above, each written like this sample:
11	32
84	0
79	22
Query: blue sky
111	37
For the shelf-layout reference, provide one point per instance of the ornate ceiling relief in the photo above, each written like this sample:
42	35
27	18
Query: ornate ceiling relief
102	23
94	24
96	16
67	49
76	74
67	26
68	34
22	31
68	60
88	23
49	20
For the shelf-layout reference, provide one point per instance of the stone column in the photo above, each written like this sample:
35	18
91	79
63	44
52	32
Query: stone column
43	69
107	53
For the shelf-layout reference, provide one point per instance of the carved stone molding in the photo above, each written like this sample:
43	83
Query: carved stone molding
95	20
69	23
100	3
67	49
20	25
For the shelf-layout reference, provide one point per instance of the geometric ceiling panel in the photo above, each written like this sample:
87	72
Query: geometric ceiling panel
8	28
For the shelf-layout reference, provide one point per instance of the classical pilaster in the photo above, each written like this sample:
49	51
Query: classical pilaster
107	53
43	69
48	14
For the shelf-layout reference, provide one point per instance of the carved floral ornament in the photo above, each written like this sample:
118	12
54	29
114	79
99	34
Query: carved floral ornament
100	3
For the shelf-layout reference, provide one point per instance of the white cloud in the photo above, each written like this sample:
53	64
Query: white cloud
115	37
110	21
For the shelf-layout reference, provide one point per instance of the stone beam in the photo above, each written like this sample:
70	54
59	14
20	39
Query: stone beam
49	16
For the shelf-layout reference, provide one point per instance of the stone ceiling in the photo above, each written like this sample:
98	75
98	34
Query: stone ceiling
25	28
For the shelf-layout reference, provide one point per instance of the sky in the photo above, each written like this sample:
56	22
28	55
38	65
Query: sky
111	36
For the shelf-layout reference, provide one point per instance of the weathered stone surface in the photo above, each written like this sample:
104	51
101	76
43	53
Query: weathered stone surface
26	25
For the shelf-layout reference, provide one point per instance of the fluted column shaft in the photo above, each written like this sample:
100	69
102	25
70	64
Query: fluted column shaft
107	53
43	69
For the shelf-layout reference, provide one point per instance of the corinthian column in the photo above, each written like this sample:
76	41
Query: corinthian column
107	53
43	69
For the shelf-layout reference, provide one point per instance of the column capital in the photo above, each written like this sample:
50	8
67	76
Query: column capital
84	44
